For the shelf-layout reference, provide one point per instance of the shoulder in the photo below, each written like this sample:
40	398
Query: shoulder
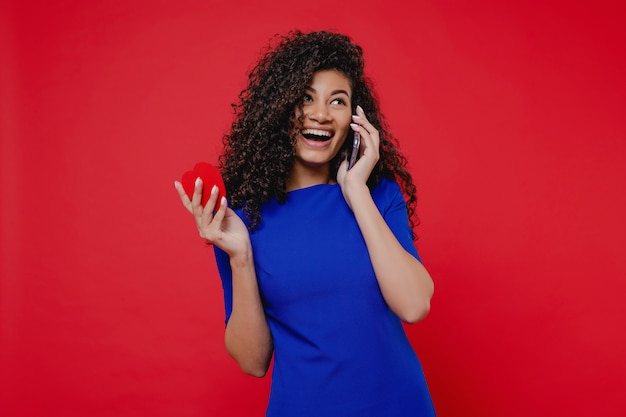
386	187
386	194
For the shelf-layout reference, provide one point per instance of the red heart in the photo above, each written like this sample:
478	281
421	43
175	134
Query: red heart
210	176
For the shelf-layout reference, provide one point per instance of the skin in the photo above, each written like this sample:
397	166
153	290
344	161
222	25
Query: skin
405	284
327	106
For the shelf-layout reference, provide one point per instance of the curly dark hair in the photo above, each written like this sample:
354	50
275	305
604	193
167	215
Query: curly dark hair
259	151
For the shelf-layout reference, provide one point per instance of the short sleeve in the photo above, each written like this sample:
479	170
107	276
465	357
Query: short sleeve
390	202
223	266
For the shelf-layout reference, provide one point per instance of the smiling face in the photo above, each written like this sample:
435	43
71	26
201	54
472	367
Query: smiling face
326	116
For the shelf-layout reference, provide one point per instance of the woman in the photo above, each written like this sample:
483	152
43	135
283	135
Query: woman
317	261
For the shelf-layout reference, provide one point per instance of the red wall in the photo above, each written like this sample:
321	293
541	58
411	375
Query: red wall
512	115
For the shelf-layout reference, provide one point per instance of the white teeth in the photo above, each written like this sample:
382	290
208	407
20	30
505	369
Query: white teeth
316	132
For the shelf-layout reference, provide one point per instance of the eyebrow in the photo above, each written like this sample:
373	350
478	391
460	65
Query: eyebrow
332	92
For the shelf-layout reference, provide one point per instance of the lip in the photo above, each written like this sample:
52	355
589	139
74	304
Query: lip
324	129
316	144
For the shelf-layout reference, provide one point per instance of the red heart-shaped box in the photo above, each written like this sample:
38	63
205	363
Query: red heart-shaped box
210	176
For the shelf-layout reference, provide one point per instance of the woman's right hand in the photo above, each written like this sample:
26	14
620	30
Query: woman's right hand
223	228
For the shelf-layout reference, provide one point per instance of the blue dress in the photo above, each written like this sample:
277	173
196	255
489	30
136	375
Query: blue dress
338	348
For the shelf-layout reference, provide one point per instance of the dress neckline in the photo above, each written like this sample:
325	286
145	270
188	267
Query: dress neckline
313	187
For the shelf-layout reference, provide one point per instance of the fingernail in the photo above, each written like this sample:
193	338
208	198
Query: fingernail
353	125
224	202
198	181
360	108
354	116
214	189
175	184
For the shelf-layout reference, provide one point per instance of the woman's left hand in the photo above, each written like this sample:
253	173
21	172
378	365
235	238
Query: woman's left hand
355	180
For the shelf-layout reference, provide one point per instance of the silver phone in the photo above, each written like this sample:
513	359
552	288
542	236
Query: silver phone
355	149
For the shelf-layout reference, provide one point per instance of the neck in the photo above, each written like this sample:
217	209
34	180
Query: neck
307	176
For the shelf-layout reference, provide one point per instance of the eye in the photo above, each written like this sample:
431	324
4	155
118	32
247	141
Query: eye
339	101
307	98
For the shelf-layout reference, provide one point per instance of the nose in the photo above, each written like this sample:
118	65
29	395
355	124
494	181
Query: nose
319	113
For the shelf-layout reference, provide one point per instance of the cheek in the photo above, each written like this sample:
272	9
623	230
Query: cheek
345	124
344	120
342	143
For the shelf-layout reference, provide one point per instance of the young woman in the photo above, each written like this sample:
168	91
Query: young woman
317	261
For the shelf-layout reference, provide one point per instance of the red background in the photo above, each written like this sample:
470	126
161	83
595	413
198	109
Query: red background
512	116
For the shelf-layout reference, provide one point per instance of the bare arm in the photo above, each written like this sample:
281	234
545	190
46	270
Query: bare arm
404	282
248	339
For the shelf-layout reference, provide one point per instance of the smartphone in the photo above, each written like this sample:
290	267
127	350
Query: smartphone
355	149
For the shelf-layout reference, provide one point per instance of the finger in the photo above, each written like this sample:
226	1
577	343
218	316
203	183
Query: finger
361	119
213	231
212	201
207	213
196	203
360	112
370	143
358	128
197	191
363	127
367	127
184	198
366	140
221	212
372	138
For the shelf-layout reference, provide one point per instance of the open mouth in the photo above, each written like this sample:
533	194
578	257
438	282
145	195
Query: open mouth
316	134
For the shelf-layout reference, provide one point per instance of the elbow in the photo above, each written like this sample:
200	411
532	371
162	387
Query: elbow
255	368
253	359
255	371
414	304
415	313
418	308
250	363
